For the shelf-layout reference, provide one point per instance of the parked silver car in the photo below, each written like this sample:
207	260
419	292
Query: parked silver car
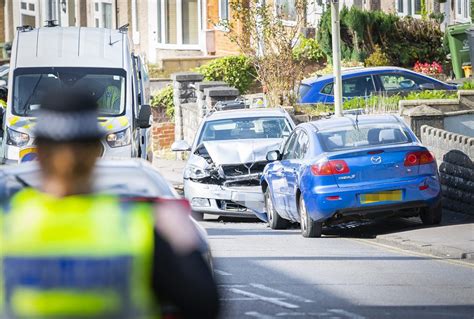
130	179
227	158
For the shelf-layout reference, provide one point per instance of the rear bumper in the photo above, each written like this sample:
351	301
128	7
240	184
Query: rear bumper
348	205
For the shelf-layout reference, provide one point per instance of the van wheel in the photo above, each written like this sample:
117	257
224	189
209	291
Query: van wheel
275	221
309	228
432	216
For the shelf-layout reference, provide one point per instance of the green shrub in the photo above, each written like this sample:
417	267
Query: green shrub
404	40
469	85
377	58
430	95
164	100
237	71
308	49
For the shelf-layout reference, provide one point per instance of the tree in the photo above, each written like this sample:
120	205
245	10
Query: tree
263	34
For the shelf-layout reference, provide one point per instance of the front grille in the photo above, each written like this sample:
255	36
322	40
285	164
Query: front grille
243	169
230	205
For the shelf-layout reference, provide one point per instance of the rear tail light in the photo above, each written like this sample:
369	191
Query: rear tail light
330	168
419	158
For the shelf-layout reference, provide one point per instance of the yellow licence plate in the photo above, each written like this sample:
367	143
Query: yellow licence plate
381	197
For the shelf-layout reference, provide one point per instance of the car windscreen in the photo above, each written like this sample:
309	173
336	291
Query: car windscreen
245	128
350	137
106	85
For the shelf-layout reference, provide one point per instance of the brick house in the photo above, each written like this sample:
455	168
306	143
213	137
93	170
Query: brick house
186	30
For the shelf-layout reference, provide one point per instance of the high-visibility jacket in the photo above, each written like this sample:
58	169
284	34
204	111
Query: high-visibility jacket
78	256
110	100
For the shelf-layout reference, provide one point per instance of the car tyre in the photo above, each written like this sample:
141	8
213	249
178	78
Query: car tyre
432	215
309	228
275	221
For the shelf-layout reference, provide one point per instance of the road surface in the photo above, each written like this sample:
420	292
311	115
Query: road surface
265	273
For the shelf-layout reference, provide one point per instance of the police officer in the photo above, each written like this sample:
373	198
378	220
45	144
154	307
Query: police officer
69	253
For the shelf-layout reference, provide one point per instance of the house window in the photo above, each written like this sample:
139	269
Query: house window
103	13
178	22
463	9
286	10
28	12
409	7
223	10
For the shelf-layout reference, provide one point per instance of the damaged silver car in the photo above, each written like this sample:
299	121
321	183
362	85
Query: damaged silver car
227	158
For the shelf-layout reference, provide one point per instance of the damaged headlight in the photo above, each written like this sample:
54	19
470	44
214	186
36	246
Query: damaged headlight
195	172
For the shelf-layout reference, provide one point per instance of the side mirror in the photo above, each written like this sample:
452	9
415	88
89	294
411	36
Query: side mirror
180	146
427	86
273	156
144	117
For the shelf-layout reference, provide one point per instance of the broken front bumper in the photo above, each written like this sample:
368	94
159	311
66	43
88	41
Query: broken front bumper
222	200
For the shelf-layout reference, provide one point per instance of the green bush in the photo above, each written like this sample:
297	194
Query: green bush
469	85
164	100
377	58
430	95
237	71
308	49
404	40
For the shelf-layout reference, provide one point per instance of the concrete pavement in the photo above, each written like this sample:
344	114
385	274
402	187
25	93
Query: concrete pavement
454	238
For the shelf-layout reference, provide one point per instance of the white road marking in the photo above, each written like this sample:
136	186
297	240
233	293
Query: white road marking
291	314
222	273
237	299
231	286
281	293
346	313
275	301
258	315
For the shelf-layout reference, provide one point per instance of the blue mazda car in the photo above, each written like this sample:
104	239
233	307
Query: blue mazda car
363	82
337	170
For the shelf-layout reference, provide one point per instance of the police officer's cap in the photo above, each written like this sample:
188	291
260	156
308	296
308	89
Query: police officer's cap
68	115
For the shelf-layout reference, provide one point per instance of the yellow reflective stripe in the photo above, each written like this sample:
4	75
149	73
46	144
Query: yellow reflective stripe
28	302
123	121
12	120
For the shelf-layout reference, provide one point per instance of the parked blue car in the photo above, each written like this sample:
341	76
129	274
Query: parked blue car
363	82
350	168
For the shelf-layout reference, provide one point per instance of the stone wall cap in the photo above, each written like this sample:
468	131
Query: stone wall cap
209	84
187	76
423	110
221	91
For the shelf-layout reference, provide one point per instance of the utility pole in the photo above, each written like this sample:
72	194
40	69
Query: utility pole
336	57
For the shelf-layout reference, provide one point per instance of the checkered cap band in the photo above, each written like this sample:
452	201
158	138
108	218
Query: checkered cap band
68	126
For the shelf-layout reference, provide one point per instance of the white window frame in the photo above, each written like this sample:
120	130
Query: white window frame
465	16
32	13
99	14
135	26
406	5
179	27
285	22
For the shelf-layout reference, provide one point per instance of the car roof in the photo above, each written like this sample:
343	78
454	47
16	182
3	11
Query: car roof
242	113
70	46
354	71
101	163
342	121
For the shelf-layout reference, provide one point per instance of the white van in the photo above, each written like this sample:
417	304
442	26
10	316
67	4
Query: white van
96	59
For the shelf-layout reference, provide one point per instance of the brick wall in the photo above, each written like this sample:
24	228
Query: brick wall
223	45
454	154
163	135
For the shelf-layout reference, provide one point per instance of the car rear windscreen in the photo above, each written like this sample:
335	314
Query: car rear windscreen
350	137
